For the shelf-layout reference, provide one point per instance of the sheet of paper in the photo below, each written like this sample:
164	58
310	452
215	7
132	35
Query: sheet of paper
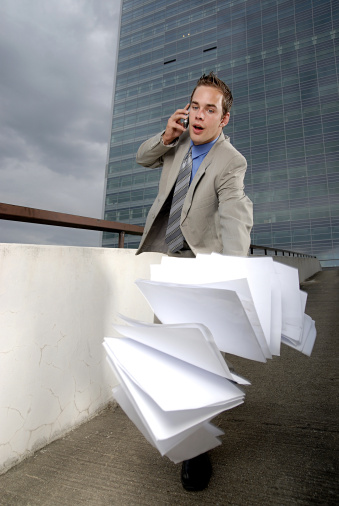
241	288
276	315
203	439
162	377
215	268
190	343
121	396
191	354
303	300
257	271
310	339
309	333
177	270
292	314
219	310
165	425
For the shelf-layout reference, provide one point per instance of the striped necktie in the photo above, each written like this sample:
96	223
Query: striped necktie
174	237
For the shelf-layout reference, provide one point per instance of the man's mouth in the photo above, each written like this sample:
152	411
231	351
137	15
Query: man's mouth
197	127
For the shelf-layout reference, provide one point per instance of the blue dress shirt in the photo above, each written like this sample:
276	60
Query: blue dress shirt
198	154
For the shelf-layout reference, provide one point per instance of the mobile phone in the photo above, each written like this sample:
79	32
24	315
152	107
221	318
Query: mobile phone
185	122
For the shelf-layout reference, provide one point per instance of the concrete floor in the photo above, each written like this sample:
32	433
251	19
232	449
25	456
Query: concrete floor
280	447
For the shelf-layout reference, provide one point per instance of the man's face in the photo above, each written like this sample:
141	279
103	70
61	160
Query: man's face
206	118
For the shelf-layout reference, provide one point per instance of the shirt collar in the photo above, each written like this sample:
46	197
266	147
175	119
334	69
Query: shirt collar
201	149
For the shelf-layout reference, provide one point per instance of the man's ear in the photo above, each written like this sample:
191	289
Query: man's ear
225	120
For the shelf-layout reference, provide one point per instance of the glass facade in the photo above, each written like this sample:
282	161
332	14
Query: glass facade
280	59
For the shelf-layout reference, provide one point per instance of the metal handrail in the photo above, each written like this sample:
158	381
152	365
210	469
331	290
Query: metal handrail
31	215
42	217
278	250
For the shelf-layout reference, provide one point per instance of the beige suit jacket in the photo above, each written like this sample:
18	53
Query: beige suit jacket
217	216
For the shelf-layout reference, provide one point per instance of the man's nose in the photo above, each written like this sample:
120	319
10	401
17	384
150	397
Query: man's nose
199	113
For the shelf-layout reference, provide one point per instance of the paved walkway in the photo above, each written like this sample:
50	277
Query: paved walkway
279	448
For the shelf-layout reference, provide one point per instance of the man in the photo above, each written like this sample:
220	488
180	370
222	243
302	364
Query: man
201	206
216	215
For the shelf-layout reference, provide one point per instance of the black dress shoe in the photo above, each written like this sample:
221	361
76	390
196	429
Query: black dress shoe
196	473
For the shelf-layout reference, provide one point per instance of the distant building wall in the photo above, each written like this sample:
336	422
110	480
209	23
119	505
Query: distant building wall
279	59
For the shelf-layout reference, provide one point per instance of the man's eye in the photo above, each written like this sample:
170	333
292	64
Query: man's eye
211	111
194	107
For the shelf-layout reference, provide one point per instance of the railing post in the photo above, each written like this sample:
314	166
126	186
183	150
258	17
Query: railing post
121	239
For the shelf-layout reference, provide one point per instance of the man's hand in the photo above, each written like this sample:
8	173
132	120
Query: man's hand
174	127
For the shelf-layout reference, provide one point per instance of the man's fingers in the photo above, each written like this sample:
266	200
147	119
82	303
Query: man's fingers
175	125
179	115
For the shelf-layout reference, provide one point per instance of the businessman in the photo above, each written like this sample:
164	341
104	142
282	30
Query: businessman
201	206
211	212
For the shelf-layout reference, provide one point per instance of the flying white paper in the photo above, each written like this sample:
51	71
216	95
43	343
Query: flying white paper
173	378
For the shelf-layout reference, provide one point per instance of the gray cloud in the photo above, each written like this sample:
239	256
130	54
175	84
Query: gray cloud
57	65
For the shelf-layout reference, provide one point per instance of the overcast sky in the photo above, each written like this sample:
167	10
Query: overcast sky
56	80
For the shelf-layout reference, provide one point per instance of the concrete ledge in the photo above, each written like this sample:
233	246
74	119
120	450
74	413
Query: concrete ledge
307	267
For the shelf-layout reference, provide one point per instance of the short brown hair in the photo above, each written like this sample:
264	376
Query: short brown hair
212	80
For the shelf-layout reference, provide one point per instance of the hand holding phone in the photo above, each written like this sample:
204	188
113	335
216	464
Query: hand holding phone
176	125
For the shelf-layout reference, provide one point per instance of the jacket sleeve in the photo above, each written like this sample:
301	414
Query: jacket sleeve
150	153
235	208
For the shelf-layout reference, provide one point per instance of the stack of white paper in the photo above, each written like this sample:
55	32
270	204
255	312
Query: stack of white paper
173	381
250	305
173	378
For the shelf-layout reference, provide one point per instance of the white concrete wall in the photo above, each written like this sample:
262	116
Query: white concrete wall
56	306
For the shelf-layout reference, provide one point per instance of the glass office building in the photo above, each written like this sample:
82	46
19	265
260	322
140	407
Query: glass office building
280	59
